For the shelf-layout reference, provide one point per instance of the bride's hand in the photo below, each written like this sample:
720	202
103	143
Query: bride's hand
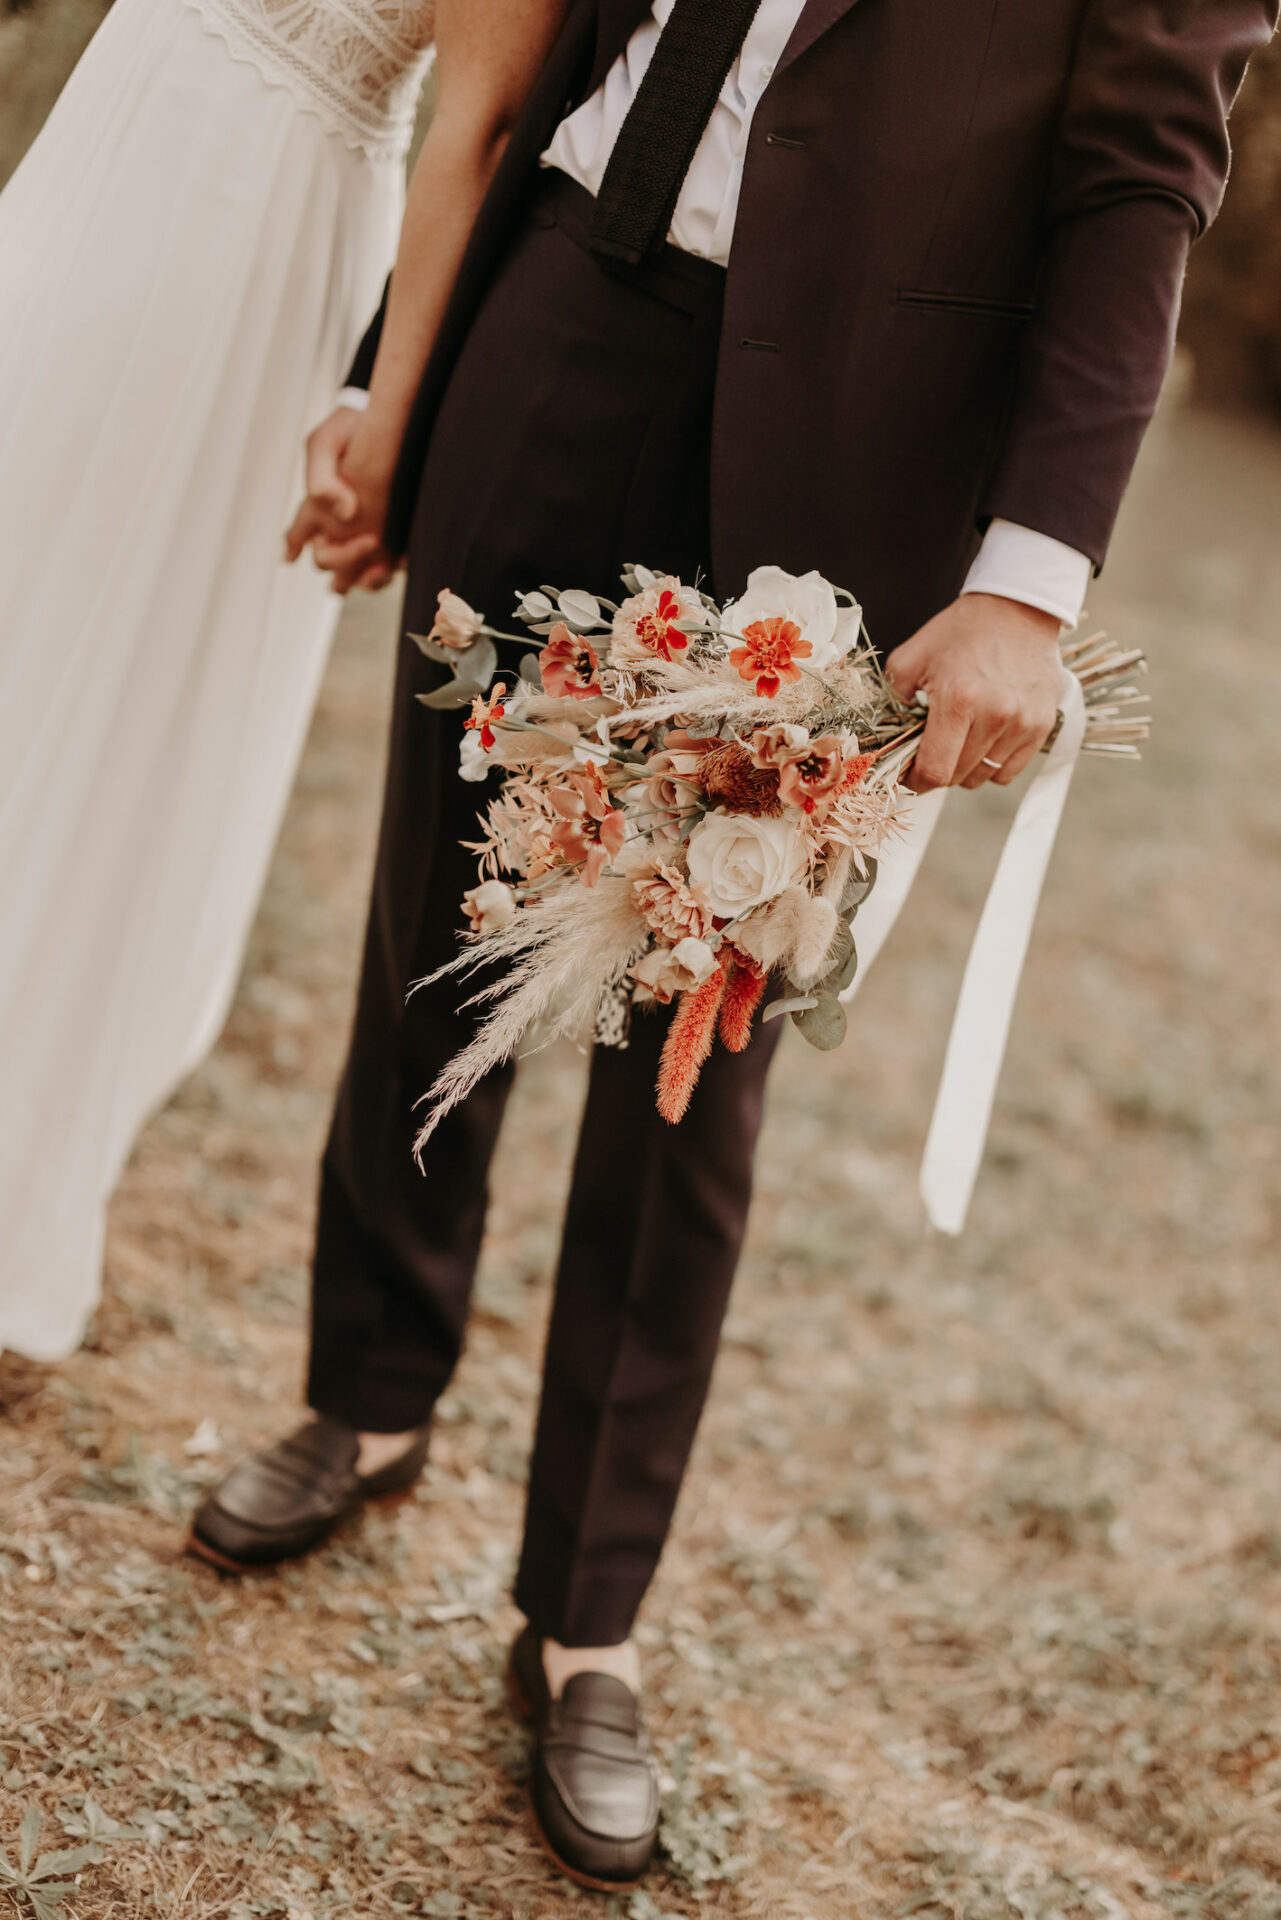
330	502
350	460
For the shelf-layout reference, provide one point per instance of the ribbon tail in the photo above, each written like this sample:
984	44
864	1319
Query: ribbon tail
897	865
976	1048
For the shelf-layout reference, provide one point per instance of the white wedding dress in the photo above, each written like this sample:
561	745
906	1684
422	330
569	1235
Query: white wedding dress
188	256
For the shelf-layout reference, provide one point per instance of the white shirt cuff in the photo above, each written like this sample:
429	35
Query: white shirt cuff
357	397
1018	564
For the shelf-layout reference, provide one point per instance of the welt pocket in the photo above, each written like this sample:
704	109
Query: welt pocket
927	301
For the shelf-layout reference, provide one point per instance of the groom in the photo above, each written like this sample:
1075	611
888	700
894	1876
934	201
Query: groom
832	285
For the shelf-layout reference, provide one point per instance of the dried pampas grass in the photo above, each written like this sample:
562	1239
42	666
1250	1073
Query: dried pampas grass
577	946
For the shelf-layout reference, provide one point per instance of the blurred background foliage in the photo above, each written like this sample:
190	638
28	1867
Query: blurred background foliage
1232	321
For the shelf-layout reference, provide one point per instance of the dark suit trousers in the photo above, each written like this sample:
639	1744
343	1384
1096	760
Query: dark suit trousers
575	437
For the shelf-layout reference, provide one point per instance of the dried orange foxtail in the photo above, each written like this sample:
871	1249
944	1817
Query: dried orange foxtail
856	769
738	1009
689	1041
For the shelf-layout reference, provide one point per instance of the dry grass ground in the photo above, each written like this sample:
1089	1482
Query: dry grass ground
974	1608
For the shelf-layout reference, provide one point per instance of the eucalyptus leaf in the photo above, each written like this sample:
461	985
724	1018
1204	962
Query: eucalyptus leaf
473	672
799	1003
857	888
844	973
435	650
581	609
452	694
824	1024
530	669
841	948
478	665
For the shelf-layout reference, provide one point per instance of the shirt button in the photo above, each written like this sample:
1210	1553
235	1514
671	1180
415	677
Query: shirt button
767	69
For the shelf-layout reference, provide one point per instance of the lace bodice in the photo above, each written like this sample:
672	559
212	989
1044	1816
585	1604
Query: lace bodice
358	63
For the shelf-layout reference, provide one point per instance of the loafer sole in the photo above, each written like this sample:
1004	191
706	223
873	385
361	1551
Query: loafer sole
575	1874
202	1549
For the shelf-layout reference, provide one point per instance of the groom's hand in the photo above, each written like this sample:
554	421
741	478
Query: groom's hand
991	669
341	525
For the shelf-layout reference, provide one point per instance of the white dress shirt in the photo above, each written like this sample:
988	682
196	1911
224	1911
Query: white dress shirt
1014	562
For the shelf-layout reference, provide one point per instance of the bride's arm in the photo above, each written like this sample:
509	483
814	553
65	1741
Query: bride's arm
488	55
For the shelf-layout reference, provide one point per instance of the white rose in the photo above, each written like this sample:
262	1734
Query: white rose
806	599
490	907
737	862
666	971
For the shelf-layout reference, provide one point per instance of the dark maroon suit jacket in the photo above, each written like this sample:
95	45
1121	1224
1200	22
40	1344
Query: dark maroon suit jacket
955	275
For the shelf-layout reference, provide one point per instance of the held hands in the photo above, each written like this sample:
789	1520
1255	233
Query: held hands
350	462
991	668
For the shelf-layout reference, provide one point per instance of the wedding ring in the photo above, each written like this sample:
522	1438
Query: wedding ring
991	763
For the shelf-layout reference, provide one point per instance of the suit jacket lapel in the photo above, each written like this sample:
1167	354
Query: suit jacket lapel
815	20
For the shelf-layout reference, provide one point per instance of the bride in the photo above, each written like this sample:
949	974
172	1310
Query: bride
188	256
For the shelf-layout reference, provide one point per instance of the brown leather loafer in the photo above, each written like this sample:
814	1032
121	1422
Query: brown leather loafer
595	1784
285	1499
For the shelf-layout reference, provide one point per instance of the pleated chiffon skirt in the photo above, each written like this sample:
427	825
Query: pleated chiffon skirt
187	259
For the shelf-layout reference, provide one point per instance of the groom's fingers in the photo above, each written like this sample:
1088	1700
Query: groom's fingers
342	555
947	730
354	563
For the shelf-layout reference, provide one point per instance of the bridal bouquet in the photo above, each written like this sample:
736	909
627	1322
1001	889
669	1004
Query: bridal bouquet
691	805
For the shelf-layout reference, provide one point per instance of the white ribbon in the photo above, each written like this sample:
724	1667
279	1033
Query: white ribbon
980	1028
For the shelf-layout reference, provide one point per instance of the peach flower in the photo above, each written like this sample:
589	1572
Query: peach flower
775	746
668	907
569	665
490	907
812	780
665	972
646	627
590	831
672	783
457	624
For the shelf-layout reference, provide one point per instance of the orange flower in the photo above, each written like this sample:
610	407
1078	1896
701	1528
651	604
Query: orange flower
769	654
856	770
484	712
569	665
